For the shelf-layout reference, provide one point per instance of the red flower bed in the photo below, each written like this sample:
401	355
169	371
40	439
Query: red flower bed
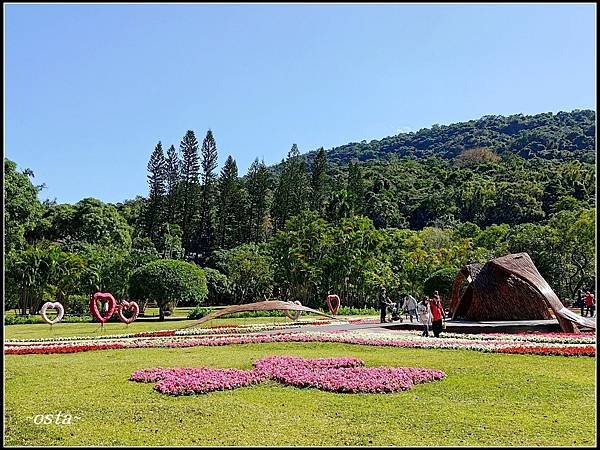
70	348
588	350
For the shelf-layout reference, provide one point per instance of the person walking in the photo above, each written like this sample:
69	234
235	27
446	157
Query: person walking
437	314
590	304
383	305
424	311
410	306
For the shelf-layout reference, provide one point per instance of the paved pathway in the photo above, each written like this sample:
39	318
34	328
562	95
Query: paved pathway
457	326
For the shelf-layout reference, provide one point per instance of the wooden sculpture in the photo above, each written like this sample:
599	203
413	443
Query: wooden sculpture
509	288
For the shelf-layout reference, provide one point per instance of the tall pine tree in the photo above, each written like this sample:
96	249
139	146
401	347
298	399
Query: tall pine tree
207	232
231	207
318	182
292	192
356	188
172	169
257	185
190	168
156	181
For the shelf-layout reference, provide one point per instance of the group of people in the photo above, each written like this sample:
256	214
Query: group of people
588	304
429	311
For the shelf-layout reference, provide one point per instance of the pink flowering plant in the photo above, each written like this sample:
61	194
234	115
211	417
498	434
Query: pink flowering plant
186	381
346	375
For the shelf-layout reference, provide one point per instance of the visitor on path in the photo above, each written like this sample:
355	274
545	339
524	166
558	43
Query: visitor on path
582	303
396	312
384	302
437	314
424	311
410	306
590	303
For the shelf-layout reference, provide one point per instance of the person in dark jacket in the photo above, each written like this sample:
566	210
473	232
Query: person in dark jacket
384	302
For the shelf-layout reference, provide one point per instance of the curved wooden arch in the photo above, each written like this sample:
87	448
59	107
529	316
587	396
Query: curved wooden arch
266	305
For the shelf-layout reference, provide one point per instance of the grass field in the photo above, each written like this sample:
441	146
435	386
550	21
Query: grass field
486	399
43	330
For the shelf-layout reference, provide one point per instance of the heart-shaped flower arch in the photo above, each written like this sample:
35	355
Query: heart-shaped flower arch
128	306
60	312
333	303
112	305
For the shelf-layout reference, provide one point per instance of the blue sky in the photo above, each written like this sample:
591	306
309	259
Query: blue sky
90	89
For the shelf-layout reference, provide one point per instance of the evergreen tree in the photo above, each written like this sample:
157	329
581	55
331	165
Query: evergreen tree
318	182
291	195
230	208
356	188
206	235
156	181
172	169
257	185
190	168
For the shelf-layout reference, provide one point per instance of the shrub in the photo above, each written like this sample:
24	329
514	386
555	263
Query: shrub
199	312
78	319
219	288
78	305
441	281
167	282
349	311
275	313
14	319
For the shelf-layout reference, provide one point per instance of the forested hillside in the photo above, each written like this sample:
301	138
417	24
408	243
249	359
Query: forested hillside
564	136
396	213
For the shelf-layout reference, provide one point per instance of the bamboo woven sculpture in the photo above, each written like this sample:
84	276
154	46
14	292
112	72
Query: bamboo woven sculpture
267	305
509	288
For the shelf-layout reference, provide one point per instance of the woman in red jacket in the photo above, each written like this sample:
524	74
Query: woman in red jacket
437	313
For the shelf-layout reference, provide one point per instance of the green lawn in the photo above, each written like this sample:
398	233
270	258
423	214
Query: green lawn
91	329
486	399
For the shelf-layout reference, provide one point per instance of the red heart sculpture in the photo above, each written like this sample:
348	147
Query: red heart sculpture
112	304
333	309
130	306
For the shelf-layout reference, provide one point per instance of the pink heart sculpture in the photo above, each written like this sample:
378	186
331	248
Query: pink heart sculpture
333	309
112	304
60	312
128	306
293	314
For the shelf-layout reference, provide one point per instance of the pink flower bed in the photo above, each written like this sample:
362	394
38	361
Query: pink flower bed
330	374
344	374
201	380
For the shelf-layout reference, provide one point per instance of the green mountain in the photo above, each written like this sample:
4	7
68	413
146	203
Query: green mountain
562	136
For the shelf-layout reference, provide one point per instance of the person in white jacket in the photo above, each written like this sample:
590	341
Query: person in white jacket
410	306
424	311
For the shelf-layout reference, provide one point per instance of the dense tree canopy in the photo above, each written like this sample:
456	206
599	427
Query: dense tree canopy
167	282
403	213
22	208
